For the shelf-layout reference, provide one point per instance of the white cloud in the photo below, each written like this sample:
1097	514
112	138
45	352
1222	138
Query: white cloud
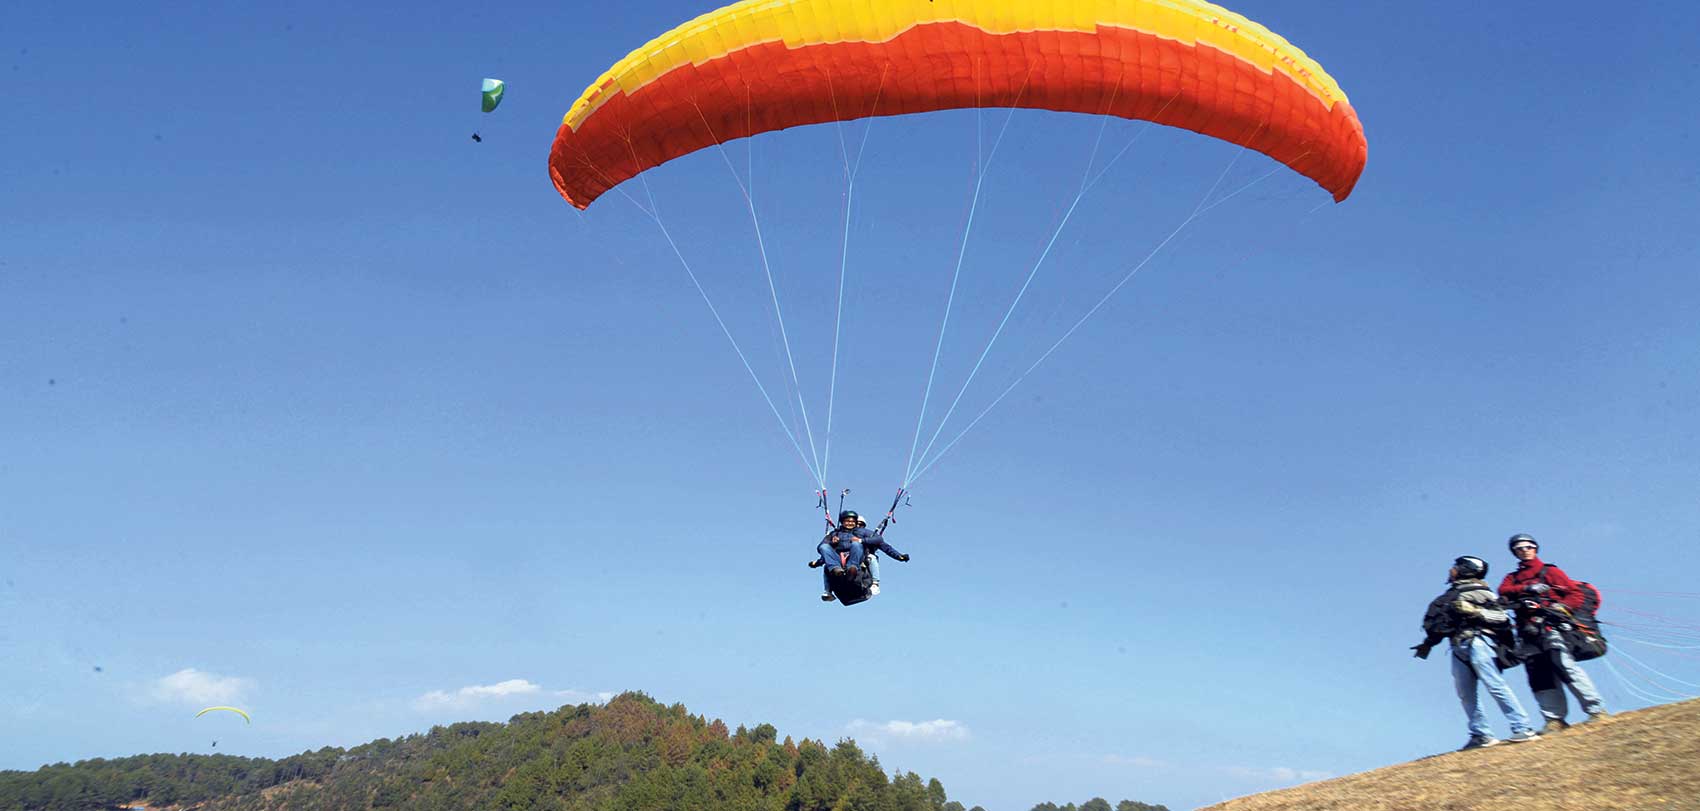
1283	774
934	731
474	695
191	686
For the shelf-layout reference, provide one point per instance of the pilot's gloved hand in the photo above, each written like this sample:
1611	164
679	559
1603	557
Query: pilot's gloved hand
904	558
1539	588
1422	650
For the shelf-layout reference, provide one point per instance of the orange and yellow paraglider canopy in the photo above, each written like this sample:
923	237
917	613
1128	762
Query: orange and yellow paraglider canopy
762	65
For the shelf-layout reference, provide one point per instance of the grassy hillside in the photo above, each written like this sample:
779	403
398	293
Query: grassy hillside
1648	760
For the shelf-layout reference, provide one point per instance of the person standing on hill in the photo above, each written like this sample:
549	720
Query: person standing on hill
1468	614
1539	590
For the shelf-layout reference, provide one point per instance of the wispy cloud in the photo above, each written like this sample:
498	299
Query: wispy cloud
1283	774
938	730
474	694
194	687
478	694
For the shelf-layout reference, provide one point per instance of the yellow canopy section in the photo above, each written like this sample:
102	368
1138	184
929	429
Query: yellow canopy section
225	709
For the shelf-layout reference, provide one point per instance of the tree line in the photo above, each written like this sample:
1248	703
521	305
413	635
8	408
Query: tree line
1101	804
632	754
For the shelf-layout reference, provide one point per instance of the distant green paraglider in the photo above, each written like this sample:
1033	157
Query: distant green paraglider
493	89
226	709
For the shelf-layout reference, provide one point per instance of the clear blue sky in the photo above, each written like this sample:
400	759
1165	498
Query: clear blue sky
308	402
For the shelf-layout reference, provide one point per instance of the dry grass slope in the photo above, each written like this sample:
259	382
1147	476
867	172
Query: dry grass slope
1647	760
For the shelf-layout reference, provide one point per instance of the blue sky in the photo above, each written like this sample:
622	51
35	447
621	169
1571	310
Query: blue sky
310	404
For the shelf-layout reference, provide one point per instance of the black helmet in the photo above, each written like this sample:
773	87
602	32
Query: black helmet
848	515
1470	567
1522	538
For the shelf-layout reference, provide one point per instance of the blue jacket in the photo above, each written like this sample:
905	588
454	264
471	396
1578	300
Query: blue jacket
841	542
874	542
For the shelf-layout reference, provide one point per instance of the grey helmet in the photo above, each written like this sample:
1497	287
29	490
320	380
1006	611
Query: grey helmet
1470	567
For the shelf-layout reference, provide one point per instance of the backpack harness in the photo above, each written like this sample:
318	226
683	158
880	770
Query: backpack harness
1579	627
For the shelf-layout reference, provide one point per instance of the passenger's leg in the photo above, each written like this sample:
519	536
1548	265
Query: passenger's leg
1464	681
1482	660
854	559
828	556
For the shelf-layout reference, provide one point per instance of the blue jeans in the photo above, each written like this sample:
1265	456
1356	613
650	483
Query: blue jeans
1475	663
1553	671
829	556
872	561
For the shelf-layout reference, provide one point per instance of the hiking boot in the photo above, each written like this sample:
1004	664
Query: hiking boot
1523	737
828	597
1480	742
1594	716
874	589
1554	725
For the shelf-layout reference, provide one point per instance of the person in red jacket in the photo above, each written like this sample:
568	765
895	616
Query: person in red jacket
1536	589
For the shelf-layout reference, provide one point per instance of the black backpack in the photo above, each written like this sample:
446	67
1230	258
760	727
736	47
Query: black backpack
1581	631
1442	621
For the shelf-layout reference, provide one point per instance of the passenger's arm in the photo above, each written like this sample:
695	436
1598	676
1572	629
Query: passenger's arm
879	544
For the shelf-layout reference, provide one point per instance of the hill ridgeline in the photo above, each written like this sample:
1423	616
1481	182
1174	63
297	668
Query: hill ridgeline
1647	760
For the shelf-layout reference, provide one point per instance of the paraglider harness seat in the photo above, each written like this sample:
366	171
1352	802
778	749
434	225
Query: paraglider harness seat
849	589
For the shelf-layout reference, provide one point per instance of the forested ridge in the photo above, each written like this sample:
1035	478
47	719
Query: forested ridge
632	754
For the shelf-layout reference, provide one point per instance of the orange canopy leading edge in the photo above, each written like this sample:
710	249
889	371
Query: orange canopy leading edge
763	65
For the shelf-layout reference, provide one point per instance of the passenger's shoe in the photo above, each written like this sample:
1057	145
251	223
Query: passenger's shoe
1554	725
1595	716
828	597
1480	742
875	588
1523	737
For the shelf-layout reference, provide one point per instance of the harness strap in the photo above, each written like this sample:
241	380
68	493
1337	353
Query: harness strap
891	514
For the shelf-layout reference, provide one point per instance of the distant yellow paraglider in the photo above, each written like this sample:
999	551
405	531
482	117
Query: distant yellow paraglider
226	709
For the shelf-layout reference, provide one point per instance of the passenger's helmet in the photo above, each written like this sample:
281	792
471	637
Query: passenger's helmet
848	515
1522	538
1470	567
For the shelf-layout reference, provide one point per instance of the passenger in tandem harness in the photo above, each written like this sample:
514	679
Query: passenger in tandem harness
850	553
1479	629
